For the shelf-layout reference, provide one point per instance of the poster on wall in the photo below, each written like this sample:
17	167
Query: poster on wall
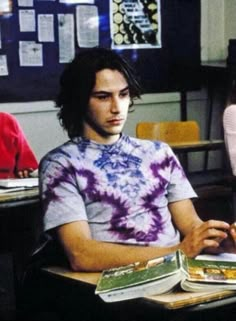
39	37
135	24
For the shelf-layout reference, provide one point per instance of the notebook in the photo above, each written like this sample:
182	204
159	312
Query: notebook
19	182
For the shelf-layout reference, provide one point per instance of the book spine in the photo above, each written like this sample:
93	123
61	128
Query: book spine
182	263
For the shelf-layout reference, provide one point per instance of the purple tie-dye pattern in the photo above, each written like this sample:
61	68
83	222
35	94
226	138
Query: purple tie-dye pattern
168	162
120	211
50	194
90	189
135	177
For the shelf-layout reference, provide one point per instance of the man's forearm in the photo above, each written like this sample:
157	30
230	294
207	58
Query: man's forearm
97	256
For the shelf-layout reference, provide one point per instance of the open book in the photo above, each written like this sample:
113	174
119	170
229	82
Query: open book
163	274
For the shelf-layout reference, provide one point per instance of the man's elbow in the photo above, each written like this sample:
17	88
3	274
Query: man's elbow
84	263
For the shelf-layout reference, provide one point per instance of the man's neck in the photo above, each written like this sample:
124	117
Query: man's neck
105	140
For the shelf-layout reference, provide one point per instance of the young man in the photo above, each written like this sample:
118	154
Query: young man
110	199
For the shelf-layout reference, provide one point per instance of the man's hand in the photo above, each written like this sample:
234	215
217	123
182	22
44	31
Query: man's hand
228	244
208	236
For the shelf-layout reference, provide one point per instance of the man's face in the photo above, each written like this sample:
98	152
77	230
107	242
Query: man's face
107	108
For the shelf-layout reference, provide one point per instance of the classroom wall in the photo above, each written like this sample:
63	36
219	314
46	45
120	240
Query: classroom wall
230	21
39	119
41	126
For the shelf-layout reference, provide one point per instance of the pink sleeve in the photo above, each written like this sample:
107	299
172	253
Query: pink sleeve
229	124
25	158
16	152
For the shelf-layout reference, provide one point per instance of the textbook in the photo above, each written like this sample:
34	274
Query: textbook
163	274
19	182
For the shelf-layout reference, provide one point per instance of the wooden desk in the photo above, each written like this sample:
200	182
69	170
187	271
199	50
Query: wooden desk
19	229
202	145
184	148
176	300
19	222
19	198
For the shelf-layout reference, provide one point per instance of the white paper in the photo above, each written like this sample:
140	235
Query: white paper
45	27
0	38
218	257
3	65
27	20
30	53
77	1
25	3
5	6
87	26
10	190
66	37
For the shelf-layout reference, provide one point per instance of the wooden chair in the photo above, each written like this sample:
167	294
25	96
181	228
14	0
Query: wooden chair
182	136
170	131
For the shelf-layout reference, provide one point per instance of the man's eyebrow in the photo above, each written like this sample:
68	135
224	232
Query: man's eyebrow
98	92
124	89
104	92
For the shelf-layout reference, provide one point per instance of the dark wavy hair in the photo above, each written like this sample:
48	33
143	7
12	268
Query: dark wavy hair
78	80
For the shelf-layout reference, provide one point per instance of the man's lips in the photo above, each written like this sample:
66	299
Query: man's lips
115	121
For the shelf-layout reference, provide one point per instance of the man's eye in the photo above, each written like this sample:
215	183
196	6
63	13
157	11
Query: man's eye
102	97
124	94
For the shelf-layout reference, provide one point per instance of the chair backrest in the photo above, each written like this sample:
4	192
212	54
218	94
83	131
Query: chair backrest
229	125
169	131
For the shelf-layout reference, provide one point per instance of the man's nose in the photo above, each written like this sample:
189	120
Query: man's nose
115	104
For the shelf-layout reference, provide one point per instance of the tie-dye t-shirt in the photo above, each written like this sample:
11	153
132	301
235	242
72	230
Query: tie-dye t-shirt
122	189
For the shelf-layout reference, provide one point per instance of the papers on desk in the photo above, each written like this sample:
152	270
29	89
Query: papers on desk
18	194
19	182
231	257
10	185
4	191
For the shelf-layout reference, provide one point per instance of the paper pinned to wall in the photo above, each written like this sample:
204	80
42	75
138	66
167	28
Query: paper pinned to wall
25	3
77	1
87	26
27	20
30	53
3	65
66	37
46	27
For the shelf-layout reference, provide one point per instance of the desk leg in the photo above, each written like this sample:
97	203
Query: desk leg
183	105
184	117
209	122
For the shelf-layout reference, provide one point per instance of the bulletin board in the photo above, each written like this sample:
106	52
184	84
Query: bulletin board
161	38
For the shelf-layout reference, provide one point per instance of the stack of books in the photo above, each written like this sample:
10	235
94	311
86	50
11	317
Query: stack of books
163	274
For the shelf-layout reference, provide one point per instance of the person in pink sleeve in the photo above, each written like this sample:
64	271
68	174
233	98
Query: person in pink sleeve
16	156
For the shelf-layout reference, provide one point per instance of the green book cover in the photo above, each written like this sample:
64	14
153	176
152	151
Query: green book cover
162	274
211	271
139	273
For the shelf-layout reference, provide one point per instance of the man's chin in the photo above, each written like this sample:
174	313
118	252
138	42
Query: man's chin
114	130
